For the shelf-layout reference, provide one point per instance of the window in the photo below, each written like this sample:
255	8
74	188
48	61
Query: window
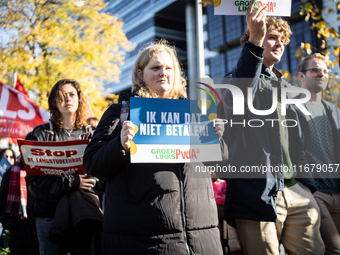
119	6
214	28
136	12
232	57
217	66
233	27
304	35
140	28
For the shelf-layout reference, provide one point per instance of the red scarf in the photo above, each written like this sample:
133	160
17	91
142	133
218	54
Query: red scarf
17	191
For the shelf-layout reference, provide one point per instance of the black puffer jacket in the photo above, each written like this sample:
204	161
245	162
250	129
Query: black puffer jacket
47	190
150	208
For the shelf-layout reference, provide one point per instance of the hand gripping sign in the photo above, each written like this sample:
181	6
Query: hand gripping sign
53	158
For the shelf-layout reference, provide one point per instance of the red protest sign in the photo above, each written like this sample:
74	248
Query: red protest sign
18	113
53	158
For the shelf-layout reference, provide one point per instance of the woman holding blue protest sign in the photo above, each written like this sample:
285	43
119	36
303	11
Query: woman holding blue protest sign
151	208
67	106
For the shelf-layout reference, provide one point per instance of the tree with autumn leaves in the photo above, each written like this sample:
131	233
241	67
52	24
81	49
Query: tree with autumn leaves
330	42
328	35
48	40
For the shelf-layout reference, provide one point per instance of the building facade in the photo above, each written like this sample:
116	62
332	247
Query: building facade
147	20
223	34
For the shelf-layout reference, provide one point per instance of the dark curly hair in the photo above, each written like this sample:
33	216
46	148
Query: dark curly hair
56	94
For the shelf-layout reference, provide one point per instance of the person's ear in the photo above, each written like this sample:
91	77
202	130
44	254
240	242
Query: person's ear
140	73
300	76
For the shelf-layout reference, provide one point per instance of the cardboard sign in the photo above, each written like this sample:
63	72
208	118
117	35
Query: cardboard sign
173	131
53	158
233	7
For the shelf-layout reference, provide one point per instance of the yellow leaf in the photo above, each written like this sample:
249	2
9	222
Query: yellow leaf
325	52
325	33
308	48
217	3
321	24
205	3
309	7
334	34
336	51
302	11
302	46
297	53
330	10
323	44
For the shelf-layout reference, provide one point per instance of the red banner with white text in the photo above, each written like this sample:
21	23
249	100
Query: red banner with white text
53	158
18	113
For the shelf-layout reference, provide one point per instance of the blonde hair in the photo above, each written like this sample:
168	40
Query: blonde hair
178	89
272	23
304	62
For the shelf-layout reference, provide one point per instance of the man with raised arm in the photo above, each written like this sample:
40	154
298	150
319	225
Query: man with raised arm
276	206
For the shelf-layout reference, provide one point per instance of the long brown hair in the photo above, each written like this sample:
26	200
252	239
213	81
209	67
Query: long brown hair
178	89
56	94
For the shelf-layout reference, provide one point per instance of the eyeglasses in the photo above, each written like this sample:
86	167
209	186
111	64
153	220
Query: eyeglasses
318	70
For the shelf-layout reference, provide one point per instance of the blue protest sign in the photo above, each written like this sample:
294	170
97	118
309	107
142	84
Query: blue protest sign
4	165
171	130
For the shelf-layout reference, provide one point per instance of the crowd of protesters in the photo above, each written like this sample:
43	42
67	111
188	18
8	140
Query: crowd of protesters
161	208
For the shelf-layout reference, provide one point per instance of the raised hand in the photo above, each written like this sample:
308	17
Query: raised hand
256	20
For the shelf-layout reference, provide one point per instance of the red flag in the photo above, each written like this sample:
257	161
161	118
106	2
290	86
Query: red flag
18	113
12	141
20	87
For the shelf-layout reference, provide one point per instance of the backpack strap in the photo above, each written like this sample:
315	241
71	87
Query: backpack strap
124	111
48	127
